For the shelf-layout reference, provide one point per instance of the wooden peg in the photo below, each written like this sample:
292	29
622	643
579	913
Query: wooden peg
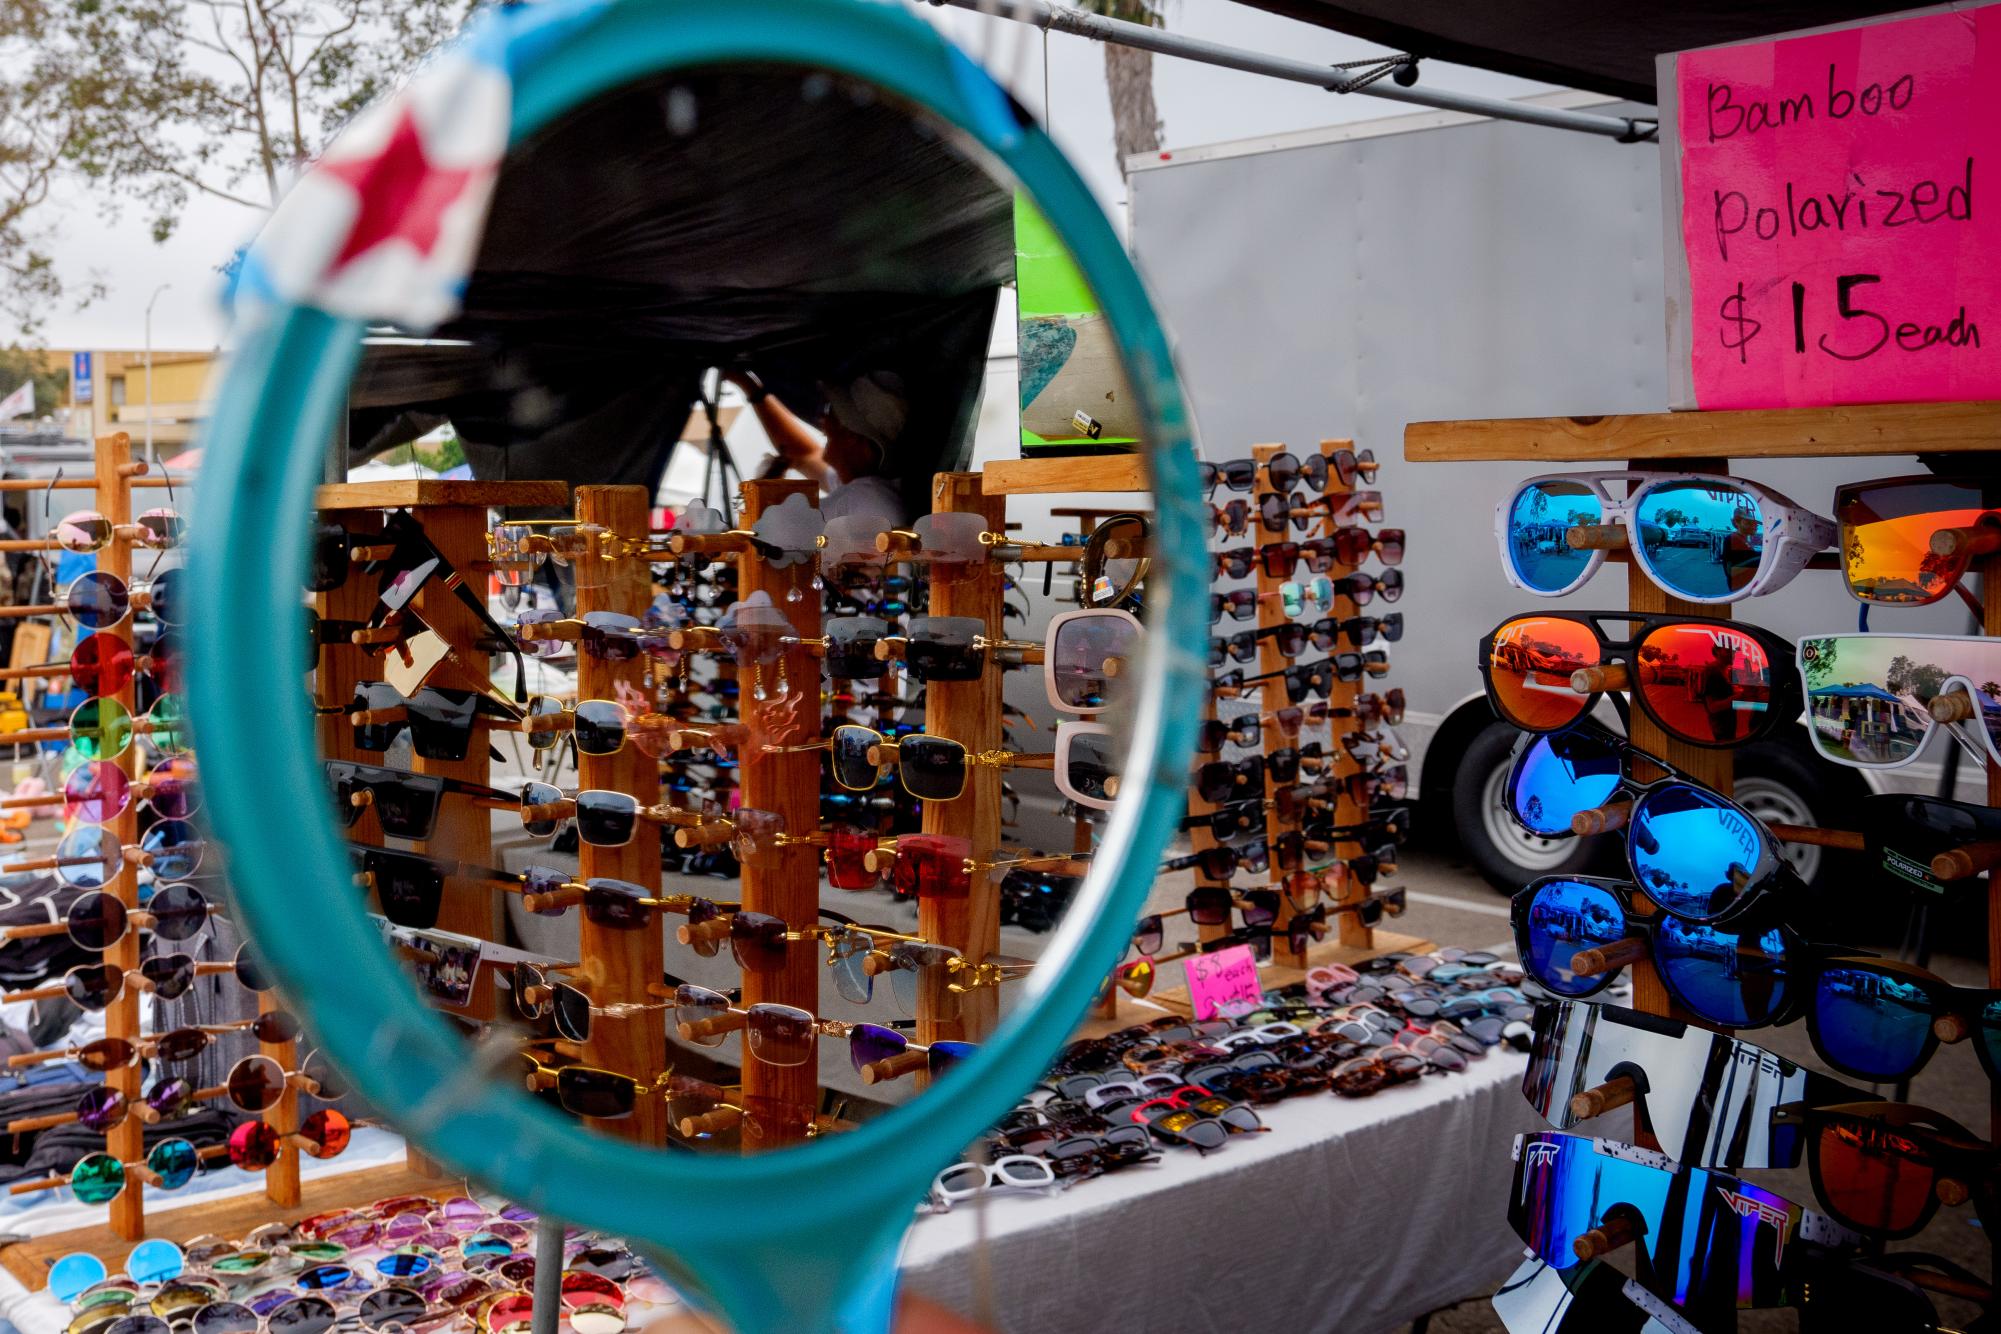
39	993
1596	680
554	810
30	1124
377	717
1613	1093
895	1067
376	634
1602	819
708	1028
898	543
1045	760
1951	1028
696	639
136	468
875	963
1844	839
1952	1192
30	1187
145	1114
880	860
35	932
891	648
1032	552
708	544
145	1174
705	835
564	896
34	734
1972	859
692	933
712	1122
1952	708
39	609
1590	963
1597	537
661	991
1607	1237
1966	543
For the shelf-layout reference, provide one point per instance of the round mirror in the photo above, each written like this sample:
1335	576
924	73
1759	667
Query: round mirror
853	858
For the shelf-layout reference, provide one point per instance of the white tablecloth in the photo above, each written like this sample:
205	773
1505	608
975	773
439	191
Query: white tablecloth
1351	1215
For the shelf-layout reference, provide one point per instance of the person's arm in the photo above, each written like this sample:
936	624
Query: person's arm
797	443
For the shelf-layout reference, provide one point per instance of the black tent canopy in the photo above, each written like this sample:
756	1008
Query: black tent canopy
1602	46
785	220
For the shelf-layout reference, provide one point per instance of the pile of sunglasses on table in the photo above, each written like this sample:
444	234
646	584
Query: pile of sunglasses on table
400	1264
1736	940
1118	1101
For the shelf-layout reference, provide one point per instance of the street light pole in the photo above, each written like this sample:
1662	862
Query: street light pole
152	459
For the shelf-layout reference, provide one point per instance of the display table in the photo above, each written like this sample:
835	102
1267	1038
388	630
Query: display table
1351	1215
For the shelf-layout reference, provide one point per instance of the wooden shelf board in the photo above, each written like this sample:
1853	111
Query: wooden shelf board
434	491
1863	429
29	1260
1276	975
1088	473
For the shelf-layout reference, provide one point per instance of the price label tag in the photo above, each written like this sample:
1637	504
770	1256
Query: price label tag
1224	984
1835	220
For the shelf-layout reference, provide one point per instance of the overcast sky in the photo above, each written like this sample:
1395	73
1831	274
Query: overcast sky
1200	105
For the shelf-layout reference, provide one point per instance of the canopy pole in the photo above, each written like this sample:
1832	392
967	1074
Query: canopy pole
1061	18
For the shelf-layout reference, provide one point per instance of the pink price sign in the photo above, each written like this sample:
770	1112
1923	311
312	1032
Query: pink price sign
1225	983
1838	215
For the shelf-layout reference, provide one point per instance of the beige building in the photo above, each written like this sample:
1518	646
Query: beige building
118	399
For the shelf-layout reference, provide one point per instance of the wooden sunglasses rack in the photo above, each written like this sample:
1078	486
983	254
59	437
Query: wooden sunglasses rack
1707	442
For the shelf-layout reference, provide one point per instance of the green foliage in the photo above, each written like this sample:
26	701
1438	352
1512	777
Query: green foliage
18	363
448	454
156	101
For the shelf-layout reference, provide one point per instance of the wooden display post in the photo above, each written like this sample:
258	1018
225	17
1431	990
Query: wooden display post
620	966
788	784
969	712
1707	442
454	518
126	1141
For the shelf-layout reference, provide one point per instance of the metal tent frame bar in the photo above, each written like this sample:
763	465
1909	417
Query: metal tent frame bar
1061	18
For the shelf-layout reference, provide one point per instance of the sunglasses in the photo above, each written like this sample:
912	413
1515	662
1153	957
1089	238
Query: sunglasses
1361	588
604	819
100	600
1707	682
410	886
1086	652
1876	701
1560	1206
415	562
952	648
930	768
105	664
1889	527
1884	1167
1927	842
1352	546
1701	538
440	721
405	804
1689	1083
586	1091
1735	979
1702	857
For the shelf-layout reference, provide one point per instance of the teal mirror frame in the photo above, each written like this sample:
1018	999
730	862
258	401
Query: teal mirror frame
800	1240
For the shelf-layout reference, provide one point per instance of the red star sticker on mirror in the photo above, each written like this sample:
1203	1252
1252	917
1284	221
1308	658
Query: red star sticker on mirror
403	193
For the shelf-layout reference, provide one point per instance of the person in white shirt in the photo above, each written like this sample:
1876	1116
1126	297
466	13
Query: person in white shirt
848	455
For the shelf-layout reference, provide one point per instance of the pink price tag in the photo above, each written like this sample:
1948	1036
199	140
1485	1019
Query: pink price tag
1838	216
1224	984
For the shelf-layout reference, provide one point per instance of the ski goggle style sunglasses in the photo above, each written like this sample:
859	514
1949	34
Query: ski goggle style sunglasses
1701	538
1709	1098
1700	856
1874	701
1733	979
1884	1167
1887	532
1706	682
1708	1243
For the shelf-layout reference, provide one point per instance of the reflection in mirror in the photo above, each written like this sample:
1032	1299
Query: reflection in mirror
817	726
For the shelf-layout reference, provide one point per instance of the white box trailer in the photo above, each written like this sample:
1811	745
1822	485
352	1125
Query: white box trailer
1347	281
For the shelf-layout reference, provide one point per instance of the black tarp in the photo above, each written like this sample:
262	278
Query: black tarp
1602	46
785	220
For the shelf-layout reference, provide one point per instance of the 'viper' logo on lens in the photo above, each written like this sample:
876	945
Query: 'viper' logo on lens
1749	1206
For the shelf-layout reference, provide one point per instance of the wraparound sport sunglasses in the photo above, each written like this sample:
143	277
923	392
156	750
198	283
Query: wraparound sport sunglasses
1699	855
1706	682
